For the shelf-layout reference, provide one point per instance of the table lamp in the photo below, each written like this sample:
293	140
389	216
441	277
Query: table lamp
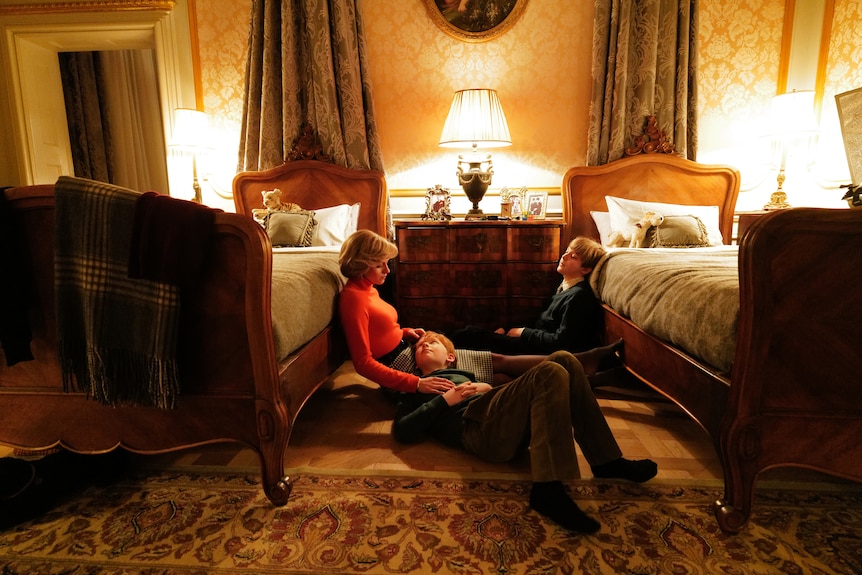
476	119
791	123
190	135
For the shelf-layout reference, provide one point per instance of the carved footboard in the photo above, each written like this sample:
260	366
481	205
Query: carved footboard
794	398
231	388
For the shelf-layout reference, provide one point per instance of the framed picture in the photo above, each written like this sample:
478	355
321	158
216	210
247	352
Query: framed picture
536	204
475	20
850	117
437	204
515	199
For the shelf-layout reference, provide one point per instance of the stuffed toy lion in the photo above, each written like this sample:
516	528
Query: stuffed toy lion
272	202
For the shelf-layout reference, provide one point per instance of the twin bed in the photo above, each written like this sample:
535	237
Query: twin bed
241	381
787	392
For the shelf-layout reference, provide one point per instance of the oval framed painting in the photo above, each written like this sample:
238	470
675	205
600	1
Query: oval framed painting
475	20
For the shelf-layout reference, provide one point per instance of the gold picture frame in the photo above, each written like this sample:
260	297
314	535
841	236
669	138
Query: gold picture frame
849	106
475	20
515	200
437	200
536	204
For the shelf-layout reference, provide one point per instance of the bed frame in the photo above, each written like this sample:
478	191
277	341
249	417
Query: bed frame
234	388
792	396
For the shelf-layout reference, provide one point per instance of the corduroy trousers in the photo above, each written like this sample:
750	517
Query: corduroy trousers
544	409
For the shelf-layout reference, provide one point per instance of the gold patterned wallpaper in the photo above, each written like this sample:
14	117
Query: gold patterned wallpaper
540	68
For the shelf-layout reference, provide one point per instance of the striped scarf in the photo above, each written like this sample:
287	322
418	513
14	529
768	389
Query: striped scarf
117	336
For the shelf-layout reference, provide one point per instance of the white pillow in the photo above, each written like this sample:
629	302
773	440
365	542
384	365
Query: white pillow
625	213
603	224
335	224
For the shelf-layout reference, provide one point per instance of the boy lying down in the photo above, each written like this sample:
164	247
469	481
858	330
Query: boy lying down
542	408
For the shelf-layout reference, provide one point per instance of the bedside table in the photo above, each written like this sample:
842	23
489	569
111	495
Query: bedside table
485	273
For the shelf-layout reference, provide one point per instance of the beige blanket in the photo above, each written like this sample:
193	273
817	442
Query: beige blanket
688	297
305	286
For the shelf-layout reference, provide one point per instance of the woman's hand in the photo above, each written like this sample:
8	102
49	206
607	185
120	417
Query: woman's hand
414	333
434	385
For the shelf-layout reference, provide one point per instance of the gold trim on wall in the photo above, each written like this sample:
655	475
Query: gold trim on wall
436	14
456	192
789	44
87	6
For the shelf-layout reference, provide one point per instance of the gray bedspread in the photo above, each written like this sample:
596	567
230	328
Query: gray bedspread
687	297
304	290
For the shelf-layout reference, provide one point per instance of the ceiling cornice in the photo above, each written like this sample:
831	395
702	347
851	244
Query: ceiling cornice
39	7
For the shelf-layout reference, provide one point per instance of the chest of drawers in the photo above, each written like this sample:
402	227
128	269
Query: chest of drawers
483	273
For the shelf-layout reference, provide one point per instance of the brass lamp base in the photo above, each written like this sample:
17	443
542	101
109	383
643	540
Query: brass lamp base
474	181
778	199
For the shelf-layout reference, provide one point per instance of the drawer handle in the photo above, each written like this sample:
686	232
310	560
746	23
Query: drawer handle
420	242
538	242
481	240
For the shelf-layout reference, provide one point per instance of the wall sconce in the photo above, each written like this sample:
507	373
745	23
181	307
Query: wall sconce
475	118
190	135
792	125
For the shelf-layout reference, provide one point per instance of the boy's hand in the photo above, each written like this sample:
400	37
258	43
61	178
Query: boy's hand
463	391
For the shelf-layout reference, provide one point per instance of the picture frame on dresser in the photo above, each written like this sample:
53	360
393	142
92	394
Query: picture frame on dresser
437	204
536	204
515	199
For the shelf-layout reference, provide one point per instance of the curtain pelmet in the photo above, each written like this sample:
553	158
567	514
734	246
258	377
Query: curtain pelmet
307	65
644	63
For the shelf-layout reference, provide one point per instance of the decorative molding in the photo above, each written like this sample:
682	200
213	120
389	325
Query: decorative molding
307	147
652	141
87	6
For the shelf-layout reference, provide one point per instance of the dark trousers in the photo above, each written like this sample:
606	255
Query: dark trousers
543	409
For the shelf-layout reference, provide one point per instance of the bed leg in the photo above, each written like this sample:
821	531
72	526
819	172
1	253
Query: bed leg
279	492
272	438
739	452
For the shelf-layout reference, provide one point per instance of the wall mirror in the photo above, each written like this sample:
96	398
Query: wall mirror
36	150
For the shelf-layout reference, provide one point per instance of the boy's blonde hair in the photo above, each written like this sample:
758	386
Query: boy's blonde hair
447	343
589	251
362	250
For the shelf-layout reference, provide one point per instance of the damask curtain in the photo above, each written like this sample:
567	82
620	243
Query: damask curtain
644	64
114	118
307	64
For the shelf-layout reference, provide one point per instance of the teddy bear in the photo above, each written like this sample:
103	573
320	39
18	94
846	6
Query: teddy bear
272	202
638	232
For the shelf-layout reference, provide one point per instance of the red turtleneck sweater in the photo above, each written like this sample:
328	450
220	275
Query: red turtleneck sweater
372	330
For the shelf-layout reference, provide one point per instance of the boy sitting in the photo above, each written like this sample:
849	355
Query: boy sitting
542	409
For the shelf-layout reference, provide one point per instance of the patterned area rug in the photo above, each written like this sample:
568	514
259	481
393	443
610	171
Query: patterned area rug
215	523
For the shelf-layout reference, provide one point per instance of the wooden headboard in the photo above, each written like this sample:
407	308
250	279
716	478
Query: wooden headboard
316	184
651	178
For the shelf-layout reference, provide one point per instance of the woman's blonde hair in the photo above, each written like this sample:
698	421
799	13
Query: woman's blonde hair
589	251
362	250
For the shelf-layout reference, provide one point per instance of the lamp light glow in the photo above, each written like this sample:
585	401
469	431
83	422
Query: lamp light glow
190	135
475	119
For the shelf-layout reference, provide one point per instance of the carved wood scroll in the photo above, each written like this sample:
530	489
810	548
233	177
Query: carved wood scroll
307	147
652	141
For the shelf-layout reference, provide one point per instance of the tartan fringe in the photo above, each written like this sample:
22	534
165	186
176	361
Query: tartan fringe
113	377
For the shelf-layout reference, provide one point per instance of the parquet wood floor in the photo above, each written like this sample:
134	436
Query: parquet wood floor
346	426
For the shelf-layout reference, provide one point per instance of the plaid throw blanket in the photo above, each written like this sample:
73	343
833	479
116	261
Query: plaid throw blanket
117	336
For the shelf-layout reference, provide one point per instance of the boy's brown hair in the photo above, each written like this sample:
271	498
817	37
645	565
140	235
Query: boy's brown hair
589	251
